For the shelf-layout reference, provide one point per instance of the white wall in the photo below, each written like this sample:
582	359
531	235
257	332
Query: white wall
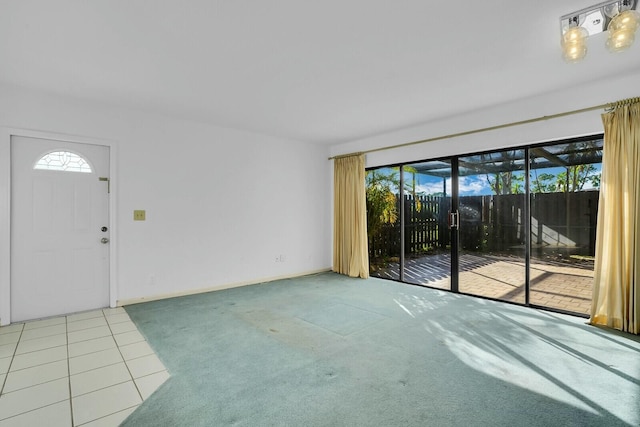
221	204
600	92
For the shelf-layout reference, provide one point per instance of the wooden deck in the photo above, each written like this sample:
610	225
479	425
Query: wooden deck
556	285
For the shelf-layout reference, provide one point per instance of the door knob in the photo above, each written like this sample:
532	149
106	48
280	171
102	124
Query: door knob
104	240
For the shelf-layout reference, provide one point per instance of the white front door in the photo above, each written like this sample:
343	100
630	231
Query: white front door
59	227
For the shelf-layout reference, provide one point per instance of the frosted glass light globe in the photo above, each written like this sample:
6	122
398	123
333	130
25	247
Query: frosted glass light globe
574	44
622	29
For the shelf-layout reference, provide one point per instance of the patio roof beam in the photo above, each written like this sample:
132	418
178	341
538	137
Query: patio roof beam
547	155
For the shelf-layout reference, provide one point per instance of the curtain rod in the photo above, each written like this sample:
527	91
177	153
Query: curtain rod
608	107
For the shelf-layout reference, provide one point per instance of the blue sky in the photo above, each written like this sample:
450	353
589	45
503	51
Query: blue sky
476	185
468	185
472	185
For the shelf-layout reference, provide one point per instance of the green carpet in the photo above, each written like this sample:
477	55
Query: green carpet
327	350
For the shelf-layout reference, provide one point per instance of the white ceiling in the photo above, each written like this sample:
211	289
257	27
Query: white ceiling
322	71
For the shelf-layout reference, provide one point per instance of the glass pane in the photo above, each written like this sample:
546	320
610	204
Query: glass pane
63	161
492	222
427	240
565	182
383	222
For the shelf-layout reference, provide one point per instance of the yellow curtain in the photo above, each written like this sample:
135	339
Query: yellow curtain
350	252
616	293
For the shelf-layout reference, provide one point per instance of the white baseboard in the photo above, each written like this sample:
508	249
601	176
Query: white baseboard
130	301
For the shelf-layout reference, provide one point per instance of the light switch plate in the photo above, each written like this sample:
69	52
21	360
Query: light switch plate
139	215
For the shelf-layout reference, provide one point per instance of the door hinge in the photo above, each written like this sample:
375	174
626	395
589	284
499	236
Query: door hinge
104	178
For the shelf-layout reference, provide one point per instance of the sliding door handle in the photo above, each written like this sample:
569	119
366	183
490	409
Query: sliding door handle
453	219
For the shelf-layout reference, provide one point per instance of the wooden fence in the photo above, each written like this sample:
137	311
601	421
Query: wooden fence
494	223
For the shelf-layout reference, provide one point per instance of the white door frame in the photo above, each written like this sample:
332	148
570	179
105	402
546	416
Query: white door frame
5	210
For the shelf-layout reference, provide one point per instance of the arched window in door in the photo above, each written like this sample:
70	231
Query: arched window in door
65	161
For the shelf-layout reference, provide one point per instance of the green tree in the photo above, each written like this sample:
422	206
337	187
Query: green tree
382	206
575	177
410	185
572	179
543	183
580	158
383	184
506	182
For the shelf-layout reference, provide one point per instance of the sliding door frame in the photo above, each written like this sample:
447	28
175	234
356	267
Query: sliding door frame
455	232
402	231
527	226
455	226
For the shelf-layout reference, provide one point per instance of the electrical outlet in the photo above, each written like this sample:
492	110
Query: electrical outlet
139	215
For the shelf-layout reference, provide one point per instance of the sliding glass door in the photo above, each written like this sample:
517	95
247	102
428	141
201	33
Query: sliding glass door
492	225
516	225
565	182
426	233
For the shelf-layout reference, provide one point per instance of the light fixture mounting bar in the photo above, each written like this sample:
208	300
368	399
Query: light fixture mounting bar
594	18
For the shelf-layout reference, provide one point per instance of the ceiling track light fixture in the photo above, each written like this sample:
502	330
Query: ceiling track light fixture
619	17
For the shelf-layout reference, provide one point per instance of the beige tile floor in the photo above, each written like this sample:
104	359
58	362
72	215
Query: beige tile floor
87	369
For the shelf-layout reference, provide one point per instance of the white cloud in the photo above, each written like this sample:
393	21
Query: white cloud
467	186
433	187
470	185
